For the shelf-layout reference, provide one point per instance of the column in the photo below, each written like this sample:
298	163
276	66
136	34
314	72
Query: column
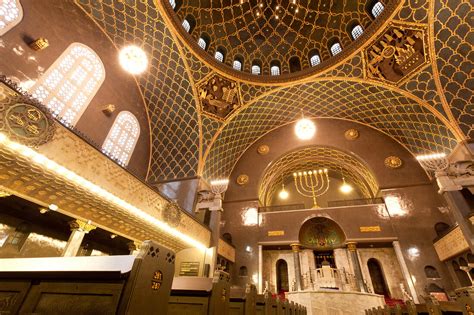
460	210
296	259
215	226
79	229
351	247
260	269
405	272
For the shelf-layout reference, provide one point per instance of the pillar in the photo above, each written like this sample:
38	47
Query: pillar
405	272
79	229
352	248
296	259
260	269
215	226
460	210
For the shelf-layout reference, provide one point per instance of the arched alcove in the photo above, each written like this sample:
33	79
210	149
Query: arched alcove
282	276
321	233
378	278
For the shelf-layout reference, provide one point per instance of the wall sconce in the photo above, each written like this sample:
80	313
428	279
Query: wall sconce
39	44
108	109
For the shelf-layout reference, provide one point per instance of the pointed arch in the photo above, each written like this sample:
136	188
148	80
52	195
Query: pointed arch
122	138
70	83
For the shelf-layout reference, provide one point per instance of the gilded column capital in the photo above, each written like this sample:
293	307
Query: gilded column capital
296	247
351	246
84	226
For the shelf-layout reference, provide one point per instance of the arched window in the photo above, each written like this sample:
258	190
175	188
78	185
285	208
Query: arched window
173	3
70	83
227	237
122	138
243	272
275	70
295	64
315	60
202	43
186	25
237	65
431	272
377	9
11	14
357	31
256	69
219	56
336	48
441	228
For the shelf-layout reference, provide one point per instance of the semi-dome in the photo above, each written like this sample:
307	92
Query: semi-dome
276	39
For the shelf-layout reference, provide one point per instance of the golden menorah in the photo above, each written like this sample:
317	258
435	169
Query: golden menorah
312	184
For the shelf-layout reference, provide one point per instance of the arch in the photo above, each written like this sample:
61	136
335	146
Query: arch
275	68
238	63
441	228
335	47
314	58
203	43
462	276
256	67
12	14
70	83
431	272
19	237
377	8
220	54
243	271
295	64
321	233
122	138
432	287
227	237
282	278
377	276
357	31
470	258
189	23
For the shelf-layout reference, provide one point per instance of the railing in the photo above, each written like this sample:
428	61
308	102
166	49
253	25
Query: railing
355	202
329	278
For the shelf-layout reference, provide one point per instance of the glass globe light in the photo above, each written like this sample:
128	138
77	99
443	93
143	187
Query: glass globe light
305	129
133	59
283	194
345	187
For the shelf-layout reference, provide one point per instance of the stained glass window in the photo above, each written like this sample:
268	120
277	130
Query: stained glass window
70	83
122	138
357	31
219	56
336	48
256	69
11	14
186	26
275	70
237	65
315	60
377	9
202	43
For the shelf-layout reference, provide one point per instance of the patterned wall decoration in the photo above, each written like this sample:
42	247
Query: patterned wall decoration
415	126
338	162
321	234
166	87
218	97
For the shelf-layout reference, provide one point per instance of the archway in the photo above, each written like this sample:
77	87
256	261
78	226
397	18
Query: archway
377	277
462	276
282	276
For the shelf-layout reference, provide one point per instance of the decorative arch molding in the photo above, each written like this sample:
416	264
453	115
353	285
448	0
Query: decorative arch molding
321	233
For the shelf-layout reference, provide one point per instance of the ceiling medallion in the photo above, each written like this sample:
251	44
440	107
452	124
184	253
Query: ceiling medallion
218	97
242	179
351	134
397	53
393	162
263	149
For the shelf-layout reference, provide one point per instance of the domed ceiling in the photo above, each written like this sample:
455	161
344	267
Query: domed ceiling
283	33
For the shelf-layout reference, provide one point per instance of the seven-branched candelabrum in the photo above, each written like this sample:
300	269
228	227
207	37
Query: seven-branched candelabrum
312	184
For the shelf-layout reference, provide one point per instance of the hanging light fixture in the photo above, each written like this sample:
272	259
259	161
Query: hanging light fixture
305	128
133	59
345	187
283	194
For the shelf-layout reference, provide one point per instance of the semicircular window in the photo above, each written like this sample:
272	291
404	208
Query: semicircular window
322	234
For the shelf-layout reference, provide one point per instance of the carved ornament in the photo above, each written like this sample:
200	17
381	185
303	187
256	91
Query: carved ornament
218	97
242	179
351	134
263	149
393	162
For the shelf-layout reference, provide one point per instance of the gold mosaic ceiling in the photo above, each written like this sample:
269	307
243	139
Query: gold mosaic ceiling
271	32
428	109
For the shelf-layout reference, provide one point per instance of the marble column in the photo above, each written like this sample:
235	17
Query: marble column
260	269
352	248
79	229
215	226
405	272
296	259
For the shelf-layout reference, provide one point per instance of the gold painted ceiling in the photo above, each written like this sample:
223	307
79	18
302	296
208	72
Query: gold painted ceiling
419	91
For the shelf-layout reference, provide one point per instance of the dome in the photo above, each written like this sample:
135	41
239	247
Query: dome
273	40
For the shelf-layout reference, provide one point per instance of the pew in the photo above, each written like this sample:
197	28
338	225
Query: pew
197	295
243	301
88	285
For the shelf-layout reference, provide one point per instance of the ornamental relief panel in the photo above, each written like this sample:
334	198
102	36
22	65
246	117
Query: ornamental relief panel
218	97
397	53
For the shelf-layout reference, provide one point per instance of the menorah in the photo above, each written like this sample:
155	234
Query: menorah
312	184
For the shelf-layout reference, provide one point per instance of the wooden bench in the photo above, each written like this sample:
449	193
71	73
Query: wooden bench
88	285
431	307
196	295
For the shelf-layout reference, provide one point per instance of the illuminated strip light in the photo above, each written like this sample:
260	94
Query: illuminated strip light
94	189
433	156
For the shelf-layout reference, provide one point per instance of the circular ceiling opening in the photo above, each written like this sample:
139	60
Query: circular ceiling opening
276	40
